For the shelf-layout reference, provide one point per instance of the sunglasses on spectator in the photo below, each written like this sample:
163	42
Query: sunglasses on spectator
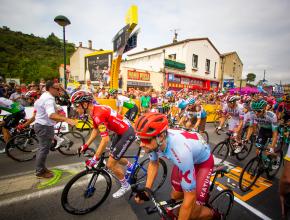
145	141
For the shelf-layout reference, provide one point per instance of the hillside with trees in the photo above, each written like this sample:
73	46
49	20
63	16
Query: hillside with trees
29	57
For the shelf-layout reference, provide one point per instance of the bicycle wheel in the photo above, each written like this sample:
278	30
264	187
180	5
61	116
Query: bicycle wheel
221	151
223	202
205	136
85	128
275	165
86	191
250	174
22	147
72	141
246	150
140	174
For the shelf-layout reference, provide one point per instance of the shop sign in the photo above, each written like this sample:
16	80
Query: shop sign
141	84
137	75
185	81
229	83
170	77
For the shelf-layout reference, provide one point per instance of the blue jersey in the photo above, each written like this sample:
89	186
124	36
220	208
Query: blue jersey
184	149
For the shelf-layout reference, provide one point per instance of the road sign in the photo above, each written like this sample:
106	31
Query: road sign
120	39
131	43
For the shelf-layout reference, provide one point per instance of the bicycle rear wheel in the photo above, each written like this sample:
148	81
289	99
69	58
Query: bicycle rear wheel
85	128
72	141
223	202
140	174
221	151
22	147
250	174
86	191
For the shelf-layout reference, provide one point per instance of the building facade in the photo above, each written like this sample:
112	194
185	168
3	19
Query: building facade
230	71
191	63
77	62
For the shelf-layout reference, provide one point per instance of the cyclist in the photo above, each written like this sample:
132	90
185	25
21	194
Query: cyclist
12	120
105	119
267	122
123	101
193	163
236	113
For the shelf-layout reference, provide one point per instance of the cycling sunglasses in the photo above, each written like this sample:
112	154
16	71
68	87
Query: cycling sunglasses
258	111
145	140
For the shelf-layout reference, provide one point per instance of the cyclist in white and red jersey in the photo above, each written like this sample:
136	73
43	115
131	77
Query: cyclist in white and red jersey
105	119
192	159
235	112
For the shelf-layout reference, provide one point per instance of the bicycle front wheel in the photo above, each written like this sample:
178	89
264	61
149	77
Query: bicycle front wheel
86	191
72	140
22	148
140	175
223	202
221	151
250	174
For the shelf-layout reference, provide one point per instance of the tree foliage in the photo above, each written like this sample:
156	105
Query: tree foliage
29	57
251	77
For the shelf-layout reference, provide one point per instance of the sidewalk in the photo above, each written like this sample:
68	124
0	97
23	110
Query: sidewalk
15	186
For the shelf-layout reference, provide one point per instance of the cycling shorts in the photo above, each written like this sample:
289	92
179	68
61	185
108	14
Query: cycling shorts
120	143
203	173
11	121
233	124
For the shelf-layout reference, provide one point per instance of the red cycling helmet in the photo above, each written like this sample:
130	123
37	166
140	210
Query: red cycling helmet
151	125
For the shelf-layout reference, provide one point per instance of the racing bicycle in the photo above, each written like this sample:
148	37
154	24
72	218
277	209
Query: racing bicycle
87	190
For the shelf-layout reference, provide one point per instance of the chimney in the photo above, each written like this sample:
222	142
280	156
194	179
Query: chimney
90	44
175	37
81	44
145	48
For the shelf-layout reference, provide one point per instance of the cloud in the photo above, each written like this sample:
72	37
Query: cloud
258	30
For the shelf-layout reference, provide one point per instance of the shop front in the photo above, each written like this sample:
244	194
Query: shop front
177	82
138	80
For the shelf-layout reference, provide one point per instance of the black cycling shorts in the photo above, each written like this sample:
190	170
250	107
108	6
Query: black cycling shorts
120	143
263	136
11	121
131	114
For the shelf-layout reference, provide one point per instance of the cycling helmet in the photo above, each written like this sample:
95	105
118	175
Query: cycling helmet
247	99
81	96
168	94
113	91
232	99
151	125
191	101
259	105
278	100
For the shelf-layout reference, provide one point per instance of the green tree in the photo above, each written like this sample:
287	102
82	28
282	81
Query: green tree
251	77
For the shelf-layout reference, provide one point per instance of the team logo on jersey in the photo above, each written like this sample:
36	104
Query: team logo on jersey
102	128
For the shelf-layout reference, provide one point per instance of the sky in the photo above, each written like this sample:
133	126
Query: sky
258	30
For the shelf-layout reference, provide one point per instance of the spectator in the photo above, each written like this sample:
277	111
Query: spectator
42	85
145	102
88	87
24	89
18	96
103	94
45	119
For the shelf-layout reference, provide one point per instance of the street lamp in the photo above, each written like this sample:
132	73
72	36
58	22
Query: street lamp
63	21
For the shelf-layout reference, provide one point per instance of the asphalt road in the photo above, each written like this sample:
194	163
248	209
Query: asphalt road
45	204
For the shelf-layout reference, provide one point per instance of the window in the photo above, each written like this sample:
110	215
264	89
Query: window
214	70
194	60
234	68
172	56
207	65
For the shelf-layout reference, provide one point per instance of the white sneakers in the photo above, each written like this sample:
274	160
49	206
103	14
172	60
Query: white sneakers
238	149
122	191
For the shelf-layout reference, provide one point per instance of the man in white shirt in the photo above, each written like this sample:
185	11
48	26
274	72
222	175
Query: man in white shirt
45	119
88	87
103	94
